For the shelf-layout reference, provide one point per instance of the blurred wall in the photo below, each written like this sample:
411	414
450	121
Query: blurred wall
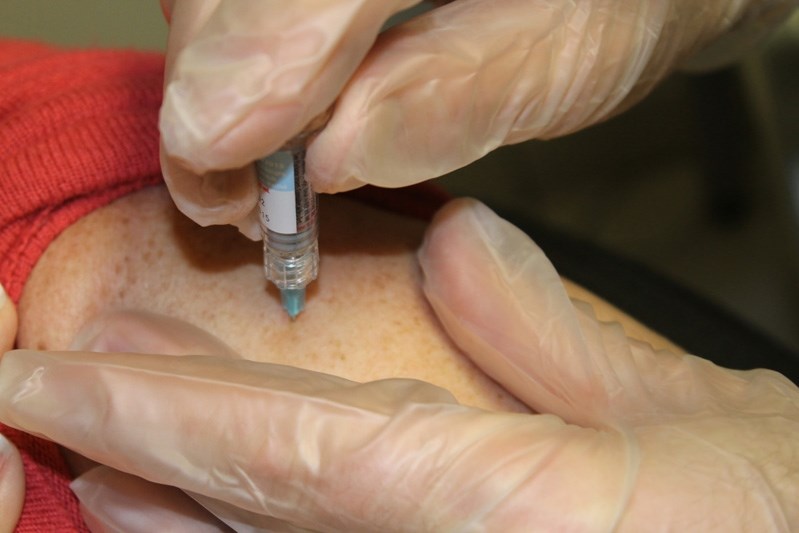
126	23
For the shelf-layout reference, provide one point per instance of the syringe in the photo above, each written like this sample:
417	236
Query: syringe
289	220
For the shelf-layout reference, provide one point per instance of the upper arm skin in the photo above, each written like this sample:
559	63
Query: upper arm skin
365	318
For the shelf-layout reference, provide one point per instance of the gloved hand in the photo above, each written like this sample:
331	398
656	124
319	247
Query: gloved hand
422	99
628	438
12	476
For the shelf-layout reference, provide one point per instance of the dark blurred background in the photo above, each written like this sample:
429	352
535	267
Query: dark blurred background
698	184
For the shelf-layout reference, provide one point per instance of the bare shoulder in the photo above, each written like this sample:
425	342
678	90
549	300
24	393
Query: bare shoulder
366	317
141	252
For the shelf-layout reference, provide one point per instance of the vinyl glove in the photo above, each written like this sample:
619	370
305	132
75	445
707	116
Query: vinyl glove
111	500
244	76
12	475
628	438
421	99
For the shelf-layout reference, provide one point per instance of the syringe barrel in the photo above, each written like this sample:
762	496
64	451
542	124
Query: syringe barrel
289	219
291	261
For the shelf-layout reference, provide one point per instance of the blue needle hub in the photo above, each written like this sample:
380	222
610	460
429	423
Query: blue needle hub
293	301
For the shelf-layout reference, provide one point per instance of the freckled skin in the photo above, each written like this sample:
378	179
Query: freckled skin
365	317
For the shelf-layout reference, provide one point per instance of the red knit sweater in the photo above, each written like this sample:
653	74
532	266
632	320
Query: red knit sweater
78	129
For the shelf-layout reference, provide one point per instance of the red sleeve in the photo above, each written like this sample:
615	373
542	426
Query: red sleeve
78	129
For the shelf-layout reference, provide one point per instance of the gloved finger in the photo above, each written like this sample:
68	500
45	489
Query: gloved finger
503	304
449	86
208	197
185	18
318	451
214	197
133	331
12	485
12	475
522	329
243	521
115	501
242	78
111	500
249	75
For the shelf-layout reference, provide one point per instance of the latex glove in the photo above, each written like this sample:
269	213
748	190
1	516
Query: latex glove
12	475
631	439
244	76
112	500
422	99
